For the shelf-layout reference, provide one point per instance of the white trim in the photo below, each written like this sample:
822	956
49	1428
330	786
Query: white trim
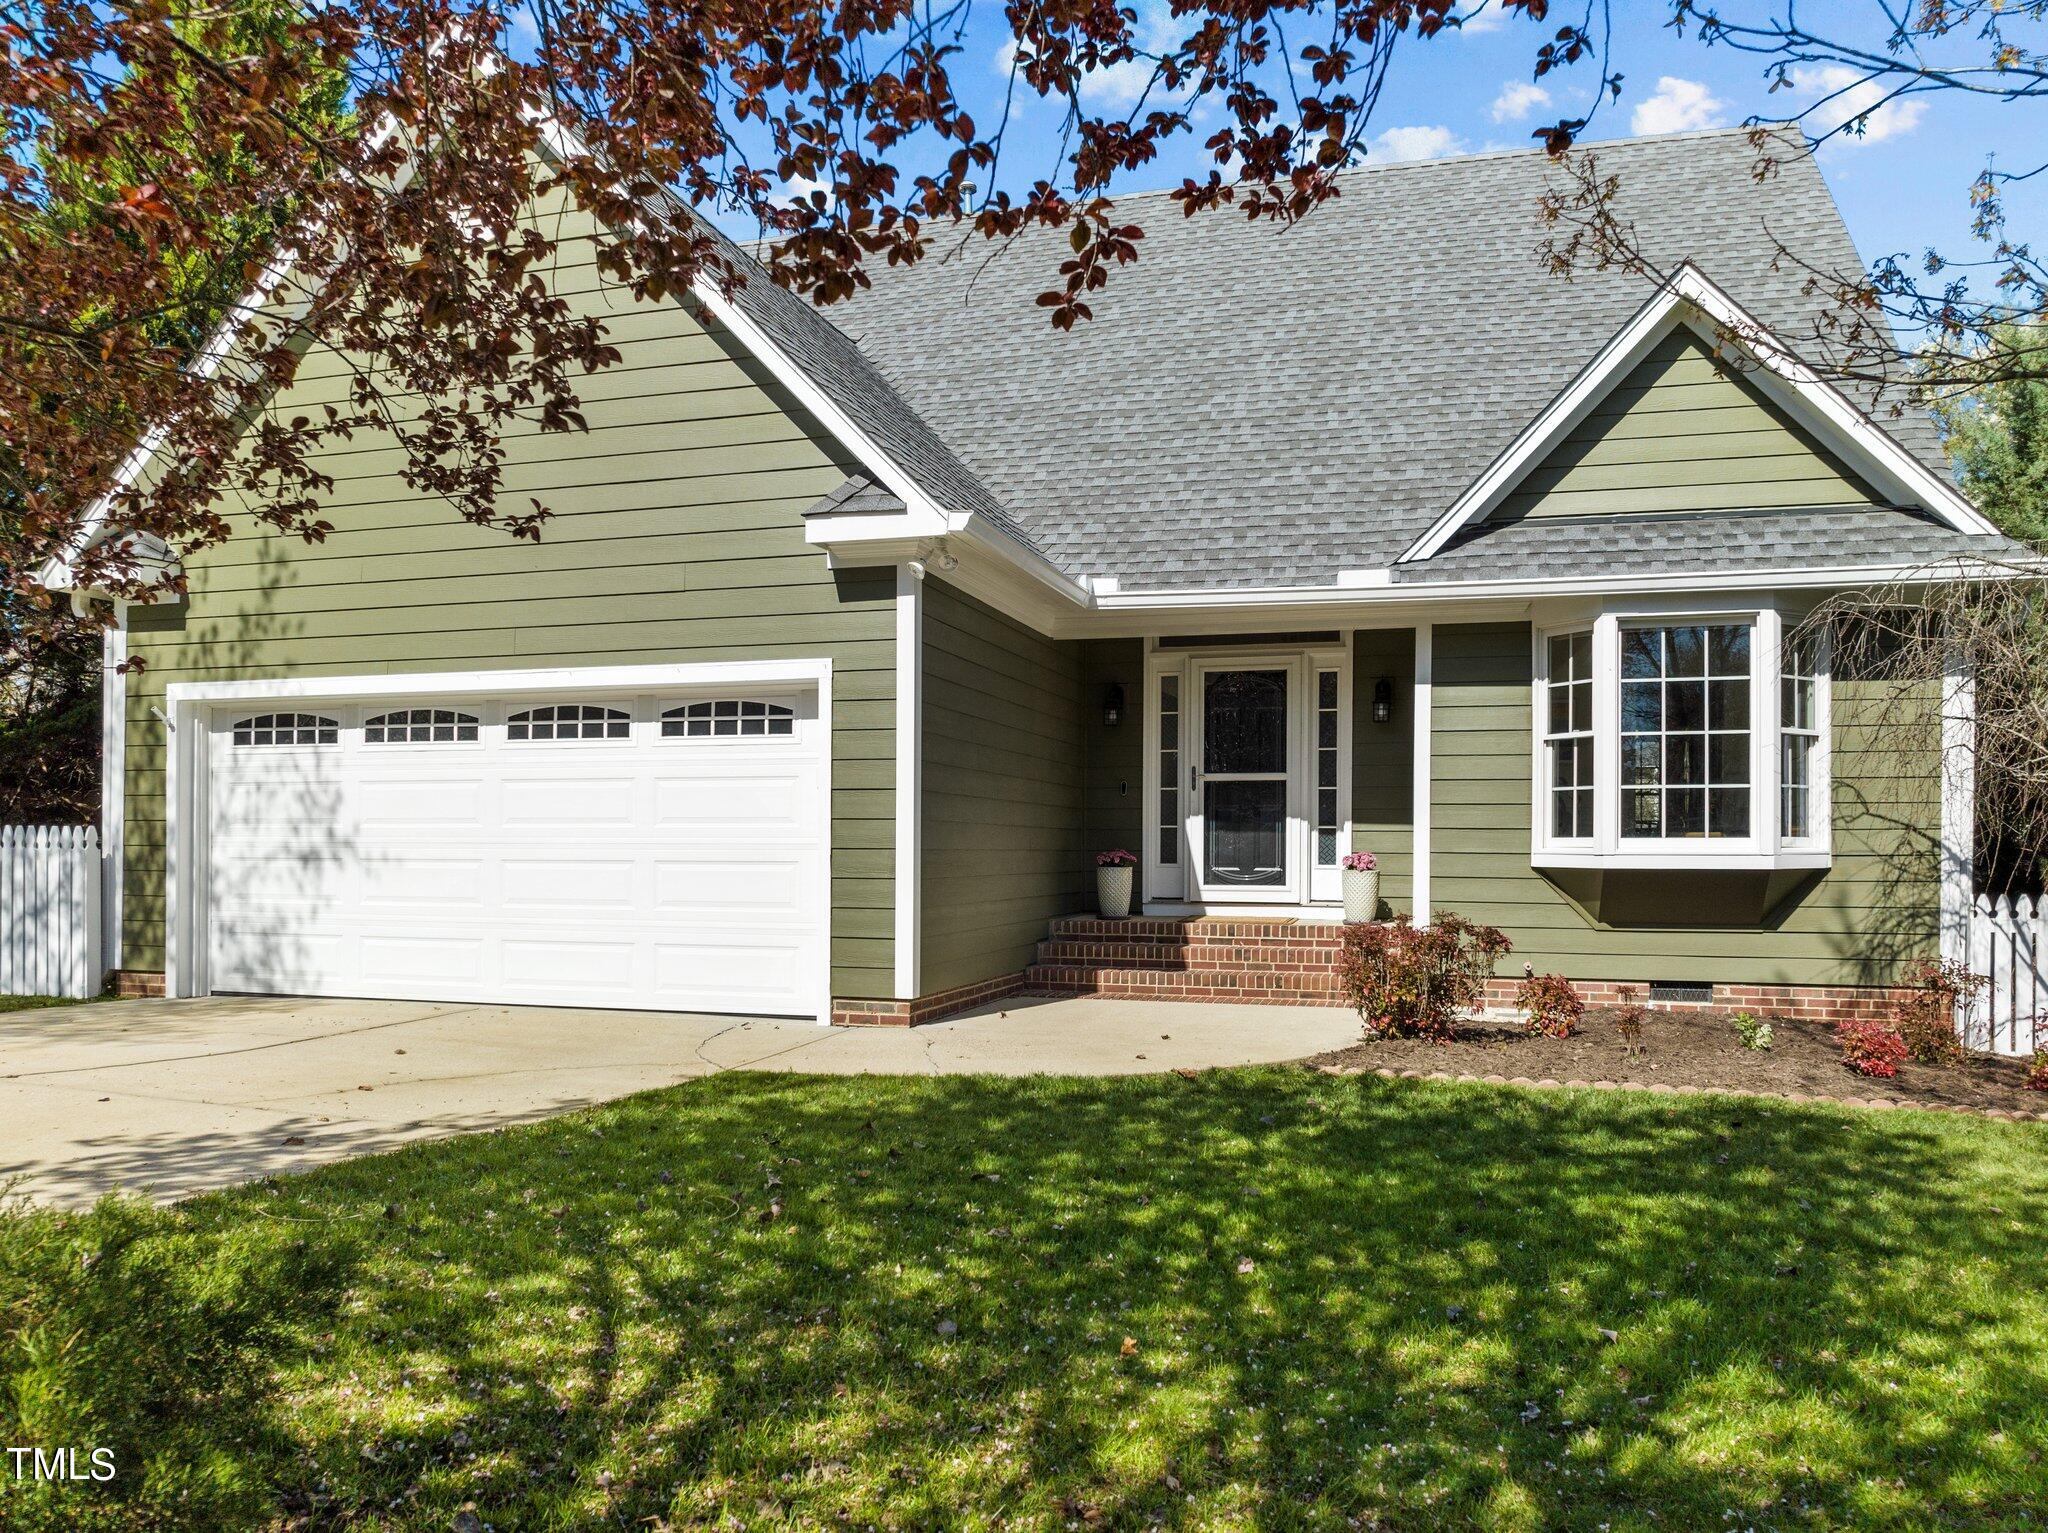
113	783
1434	592
909	764
1687	297
1958	806
185	787
1424	702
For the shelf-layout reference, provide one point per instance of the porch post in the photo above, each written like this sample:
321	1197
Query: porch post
909	751
1958	806
1424	664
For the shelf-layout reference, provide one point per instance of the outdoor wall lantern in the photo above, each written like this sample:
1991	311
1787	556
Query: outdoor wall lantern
1112	704
1382	701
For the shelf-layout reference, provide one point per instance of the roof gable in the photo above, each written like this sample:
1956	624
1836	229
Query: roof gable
1690	300
1685	430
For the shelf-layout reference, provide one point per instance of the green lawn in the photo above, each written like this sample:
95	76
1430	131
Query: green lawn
1261	1298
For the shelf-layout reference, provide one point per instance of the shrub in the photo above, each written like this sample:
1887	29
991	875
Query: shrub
2036	1078
1752	1030
126	1328
1928	1016
1629	1018
1552	1007
1410	983
1871	1048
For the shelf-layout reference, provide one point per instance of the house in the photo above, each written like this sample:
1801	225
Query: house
854	636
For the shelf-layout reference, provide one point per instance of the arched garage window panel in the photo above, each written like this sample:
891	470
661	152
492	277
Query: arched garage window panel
568	721
286	729
419	726
728	717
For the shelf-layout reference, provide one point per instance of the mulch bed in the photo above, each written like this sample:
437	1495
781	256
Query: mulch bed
1697	1051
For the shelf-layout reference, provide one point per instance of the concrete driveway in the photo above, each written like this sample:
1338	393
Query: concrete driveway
174	1097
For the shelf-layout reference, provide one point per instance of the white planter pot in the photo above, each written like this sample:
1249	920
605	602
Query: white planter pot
1113	892
1361	895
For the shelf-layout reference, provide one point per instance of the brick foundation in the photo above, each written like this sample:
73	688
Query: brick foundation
138	984
850	1011
1290	962
1805	1003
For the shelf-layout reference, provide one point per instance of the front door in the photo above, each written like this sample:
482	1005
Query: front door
1244	771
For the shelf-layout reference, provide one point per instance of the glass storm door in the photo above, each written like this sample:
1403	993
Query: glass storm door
1243	776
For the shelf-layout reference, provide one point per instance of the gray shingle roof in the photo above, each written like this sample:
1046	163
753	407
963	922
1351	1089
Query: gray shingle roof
1832	538
1258	406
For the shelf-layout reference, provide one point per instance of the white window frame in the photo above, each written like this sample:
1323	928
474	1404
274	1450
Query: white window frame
1764	847
1820	803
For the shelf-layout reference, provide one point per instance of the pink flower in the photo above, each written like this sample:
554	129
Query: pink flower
1360	862
1116	859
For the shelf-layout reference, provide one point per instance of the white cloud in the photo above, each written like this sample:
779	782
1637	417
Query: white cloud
1841	95
799	189
1119	86
1417	143
1005	56
1517	99
1491	19
1679	106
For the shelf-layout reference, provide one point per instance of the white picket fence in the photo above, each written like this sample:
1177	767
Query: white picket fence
49	910
2009	945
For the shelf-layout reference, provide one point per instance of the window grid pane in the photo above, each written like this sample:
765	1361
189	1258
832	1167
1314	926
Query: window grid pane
286	729
1326	769
1568	735
728	718
415	726
569	721
1685	731
1167	829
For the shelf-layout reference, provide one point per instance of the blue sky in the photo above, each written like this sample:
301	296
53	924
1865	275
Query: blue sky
1902	187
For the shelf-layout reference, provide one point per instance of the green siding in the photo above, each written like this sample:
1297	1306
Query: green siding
1116	753
1876	907
1002	790
1684	431
677	538
1383	760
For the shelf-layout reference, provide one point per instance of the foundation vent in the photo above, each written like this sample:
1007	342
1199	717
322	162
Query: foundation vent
1681	990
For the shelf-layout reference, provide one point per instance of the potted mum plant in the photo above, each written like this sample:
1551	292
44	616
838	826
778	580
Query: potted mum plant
1361	886
1113	883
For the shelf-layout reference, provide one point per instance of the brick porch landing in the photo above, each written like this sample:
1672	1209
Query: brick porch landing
1278	960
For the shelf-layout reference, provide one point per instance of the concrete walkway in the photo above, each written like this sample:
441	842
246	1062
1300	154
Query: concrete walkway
174	1097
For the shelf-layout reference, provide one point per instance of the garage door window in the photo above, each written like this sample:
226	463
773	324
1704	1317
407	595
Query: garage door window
419	726
728	717
286	729
568	721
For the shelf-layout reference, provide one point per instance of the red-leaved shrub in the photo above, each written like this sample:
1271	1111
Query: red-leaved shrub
1871	1048
2036	1078
1928	1015
1410	983
1552	1007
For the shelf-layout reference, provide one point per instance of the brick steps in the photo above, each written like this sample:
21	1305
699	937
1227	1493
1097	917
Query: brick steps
1279	961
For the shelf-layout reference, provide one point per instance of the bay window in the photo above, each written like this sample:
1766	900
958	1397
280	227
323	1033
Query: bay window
1682	739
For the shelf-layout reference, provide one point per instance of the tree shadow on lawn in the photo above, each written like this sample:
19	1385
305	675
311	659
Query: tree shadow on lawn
1343	1299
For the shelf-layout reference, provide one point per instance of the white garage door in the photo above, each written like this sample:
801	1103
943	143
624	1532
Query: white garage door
652	851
